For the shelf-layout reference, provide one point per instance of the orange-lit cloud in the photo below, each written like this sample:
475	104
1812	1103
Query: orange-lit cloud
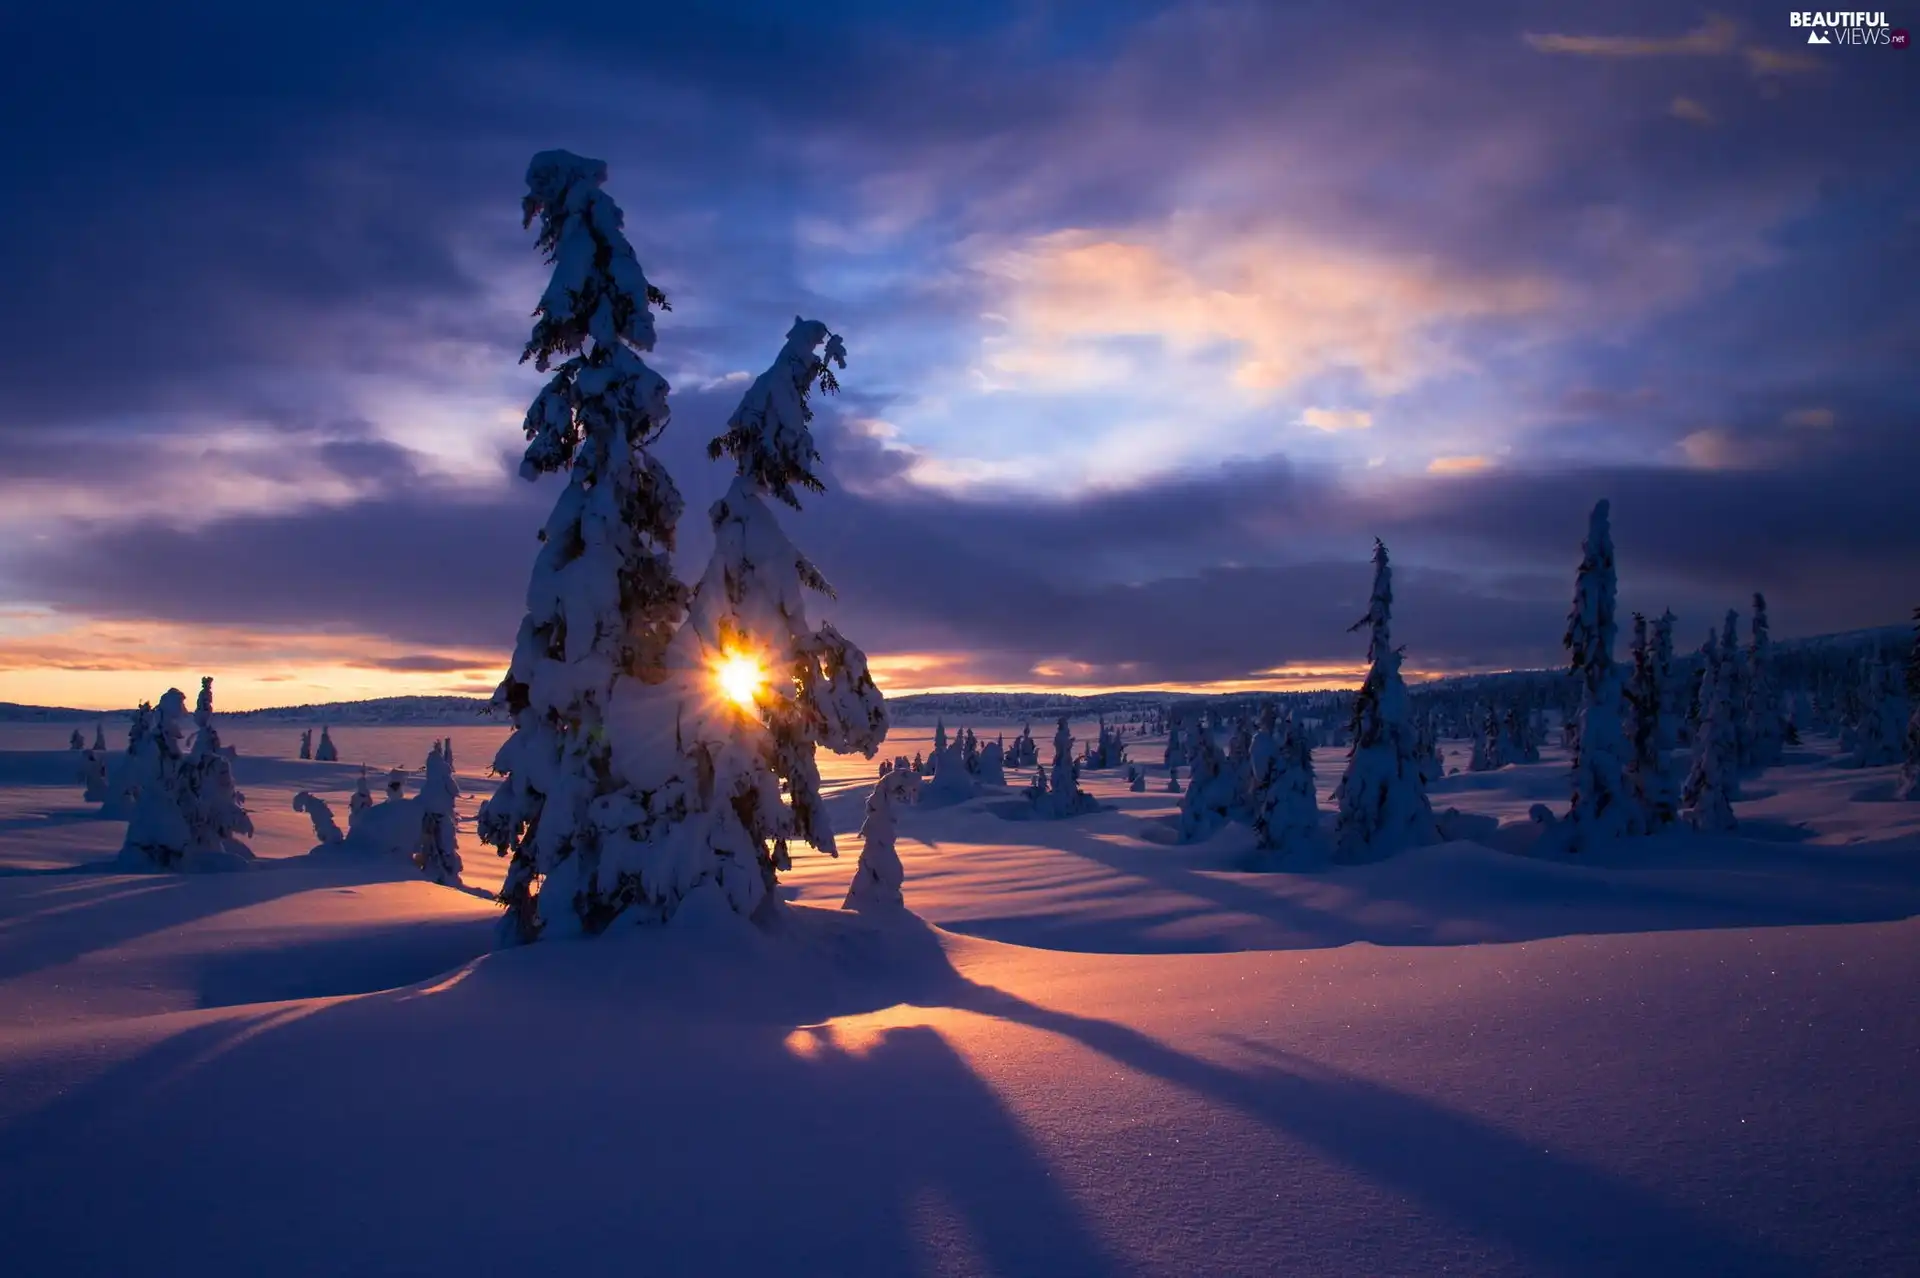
1465	465
1691	111
1336	419
1290	306
1715	37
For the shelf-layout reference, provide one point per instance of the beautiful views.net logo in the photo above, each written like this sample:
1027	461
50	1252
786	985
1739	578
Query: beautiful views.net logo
1849	28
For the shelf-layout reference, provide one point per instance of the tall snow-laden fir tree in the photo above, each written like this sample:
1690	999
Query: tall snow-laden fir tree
725	746
602	601
1733	668
1383	808
326	751
1647	772
1764	736
157	832
1604	806
1708	793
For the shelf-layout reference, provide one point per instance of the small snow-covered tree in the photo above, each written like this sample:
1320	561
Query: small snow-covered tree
306	744
100	737
438	853
1879	722
1647	772
1286	814
878	878
1765	737
1603	807
1213	788
76	741
1733	668
1062	796
1173	780
93	775
993	767
362	797
157	834
1708	792
603	600
326	752
1383	808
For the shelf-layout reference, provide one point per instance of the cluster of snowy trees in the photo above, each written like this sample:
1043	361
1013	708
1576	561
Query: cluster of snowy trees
420	829
325	752
631	780
959	768
183	810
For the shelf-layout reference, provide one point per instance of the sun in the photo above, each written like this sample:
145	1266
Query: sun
740	678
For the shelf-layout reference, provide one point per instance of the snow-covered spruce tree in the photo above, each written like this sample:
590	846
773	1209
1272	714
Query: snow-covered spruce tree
216	811
1604	807
1213	789
438	853
1647	772
878	878
1173	780
76	741
602	602
326	752
1063	796
1765	734
93	775
1733	668
730	779
1671	703
993	766
306	744
1708	793
1879	722
157	833
1383	808
1286	813
100	737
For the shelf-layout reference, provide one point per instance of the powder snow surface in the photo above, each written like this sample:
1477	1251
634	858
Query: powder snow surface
1094	1051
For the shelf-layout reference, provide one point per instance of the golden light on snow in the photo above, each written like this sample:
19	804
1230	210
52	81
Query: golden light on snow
740	677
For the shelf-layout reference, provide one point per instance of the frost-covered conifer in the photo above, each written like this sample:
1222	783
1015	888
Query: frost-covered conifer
306	744
1733	668
100	737
76	741
1061	795
939	736
438	852
602	601
993	768
1765	738
1136	778
1647	772
1708	792
326	830
878	878
1213	790
188	815
1488	752
1604	807
93	775
1383	808
396	784
1025	752
1286	814
730	778
362	797
325	752
1671	705
1879	724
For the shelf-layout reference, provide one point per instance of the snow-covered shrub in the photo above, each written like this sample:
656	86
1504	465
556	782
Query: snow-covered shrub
878	878
325	829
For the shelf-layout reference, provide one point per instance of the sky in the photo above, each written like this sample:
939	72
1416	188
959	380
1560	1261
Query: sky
1157	315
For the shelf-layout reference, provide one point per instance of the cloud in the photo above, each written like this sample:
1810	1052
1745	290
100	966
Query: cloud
1690	110
1715	37
1290	305
1815	418
1335	419
1462	465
